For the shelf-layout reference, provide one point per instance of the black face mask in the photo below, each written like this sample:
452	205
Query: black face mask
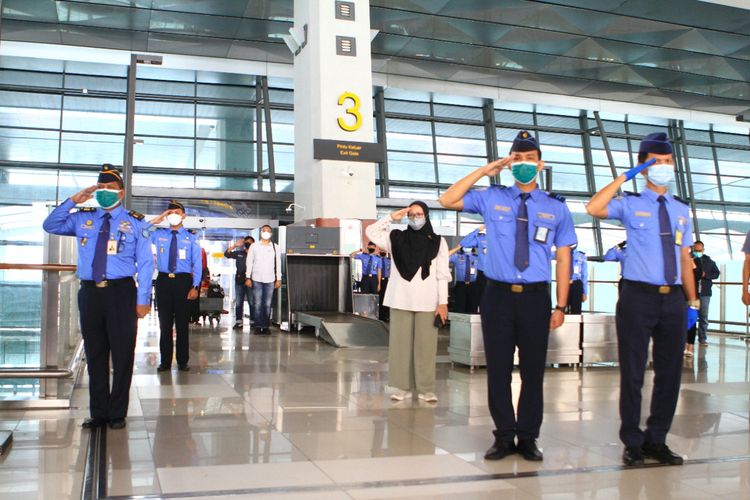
370	250
382	254
247	244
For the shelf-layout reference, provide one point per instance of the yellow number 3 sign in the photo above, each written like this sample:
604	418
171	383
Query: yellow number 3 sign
353	110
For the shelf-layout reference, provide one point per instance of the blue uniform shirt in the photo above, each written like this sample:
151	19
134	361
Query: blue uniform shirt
386	273
373	261
188	252
639	213
614	254
550	223
126	229
462	262
579	269
477	240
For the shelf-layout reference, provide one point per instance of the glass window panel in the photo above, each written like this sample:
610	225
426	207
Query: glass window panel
164	118
163	87
284	186
409	135
735	189
568	177
621	158
164	153
586	242
29	145
32	79
413	167
27	109
281	96
640	130
734	139
697	135
221	155
174	181
704	187
732	155
461	112
92	149
615	144
407	107
460	146
283	156
227	92
562	154
610	127
738	169
230	183
94	114
702	166
413	193
234	123
80	82
282	125
453	168
523	119
701	152
558	121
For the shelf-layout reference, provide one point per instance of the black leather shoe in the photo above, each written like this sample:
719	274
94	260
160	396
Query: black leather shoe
500	449
632	456
163	368
118	423
529	450
183	368
266	331
661	453
92	423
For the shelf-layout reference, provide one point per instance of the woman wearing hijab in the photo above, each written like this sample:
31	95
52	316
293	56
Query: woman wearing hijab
418	297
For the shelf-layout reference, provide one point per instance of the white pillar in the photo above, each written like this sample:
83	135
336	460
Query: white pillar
332	188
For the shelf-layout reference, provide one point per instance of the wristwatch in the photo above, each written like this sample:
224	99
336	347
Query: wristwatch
560	308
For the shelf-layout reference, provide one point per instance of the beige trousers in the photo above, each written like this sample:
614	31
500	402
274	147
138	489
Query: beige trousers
411	351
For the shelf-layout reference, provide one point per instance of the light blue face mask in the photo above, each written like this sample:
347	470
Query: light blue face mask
524	172
660	175
698	254
417	223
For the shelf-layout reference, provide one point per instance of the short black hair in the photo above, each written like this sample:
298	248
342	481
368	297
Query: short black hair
266	226
370	243
699	242
248	237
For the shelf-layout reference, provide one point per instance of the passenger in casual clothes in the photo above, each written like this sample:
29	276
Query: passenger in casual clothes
263	276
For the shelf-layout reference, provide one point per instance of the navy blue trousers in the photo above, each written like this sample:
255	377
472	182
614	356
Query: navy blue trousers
509	320
644	315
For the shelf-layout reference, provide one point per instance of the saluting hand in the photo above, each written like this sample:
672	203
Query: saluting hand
493	168
398	215
84	195
556	320
192	294
142	310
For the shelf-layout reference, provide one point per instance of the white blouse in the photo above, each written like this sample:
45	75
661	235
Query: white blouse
417	294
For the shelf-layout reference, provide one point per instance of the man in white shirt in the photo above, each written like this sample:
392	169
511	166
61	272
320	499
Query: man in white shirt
263	276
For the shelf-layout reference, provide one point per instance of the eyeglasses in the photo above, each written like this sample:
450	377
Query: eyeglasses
414	216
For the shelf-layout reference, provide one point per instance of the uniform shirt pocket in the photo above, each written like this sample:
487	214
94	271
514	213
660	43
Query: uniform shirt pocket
502	221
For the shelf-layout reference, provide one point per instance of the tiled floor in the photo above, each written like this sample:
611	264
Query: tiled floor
287	416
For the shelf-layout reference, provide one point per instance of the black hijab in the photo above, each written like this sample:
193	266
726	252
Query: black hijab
412	249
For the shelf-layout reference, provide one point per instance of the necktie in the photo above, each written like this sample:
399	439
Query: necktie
667	243
173	253
521	257
99	266
467	272
368	266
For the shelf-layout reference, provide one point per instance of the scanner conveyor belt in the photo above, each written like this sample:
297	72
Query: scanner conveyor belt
345	330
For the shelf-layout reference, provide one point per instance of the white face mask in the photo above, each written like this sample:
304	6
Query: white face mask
174	219
417	223
661	175
265	235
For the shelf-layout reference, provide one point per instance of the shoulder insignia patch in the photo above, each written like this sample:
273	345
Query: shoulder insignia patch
556	196
680	199
136	215
631	193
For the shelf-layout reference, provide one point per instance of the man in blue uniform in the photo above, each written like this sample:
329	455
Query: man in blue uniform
178	260
465	272
112	248
617	254
384	313
657	277
371	269
477	241
579	282
523	224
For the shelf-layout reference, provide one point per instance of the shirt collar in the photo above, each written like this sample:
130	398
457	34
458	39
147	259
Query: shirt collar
516	192
653	195
115	212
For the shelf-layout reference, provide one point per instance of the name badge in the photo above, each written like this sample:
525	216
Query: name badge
577	269
182	253
541	234
678	238
473	270
111	247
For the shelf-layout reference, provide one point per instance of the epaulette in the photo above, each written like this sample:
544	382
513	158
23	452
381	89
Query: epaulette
192	231
556	196
631	193
680	199
87	209
136	215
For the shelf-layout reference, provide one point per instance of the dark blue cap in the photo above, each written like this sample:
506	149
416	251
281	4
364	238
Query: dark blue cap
657	143
108	173
176	205
524	141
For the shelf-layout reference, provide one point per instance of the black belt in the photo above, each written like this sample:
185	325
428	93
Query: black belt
660	289
106	283
519	287
173	275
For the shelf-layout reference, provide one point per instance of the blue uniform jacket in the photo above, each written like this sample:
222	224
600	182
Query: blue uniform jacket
374	262
550	223
579	269
639	213
463	262
126	228
188	252
477	240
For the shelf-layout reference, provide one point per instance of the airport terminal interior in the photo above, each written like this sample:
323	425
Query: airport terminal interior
199	101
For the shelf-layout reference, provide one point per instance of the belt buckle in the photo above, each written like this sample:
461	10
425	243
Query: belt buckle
171	275
101	284
663	290
516	288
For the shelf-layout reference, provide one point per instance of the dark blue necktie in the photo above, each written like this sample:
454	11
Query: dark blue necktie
667	243
173	253
99	266
467	272
368	266
521	257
